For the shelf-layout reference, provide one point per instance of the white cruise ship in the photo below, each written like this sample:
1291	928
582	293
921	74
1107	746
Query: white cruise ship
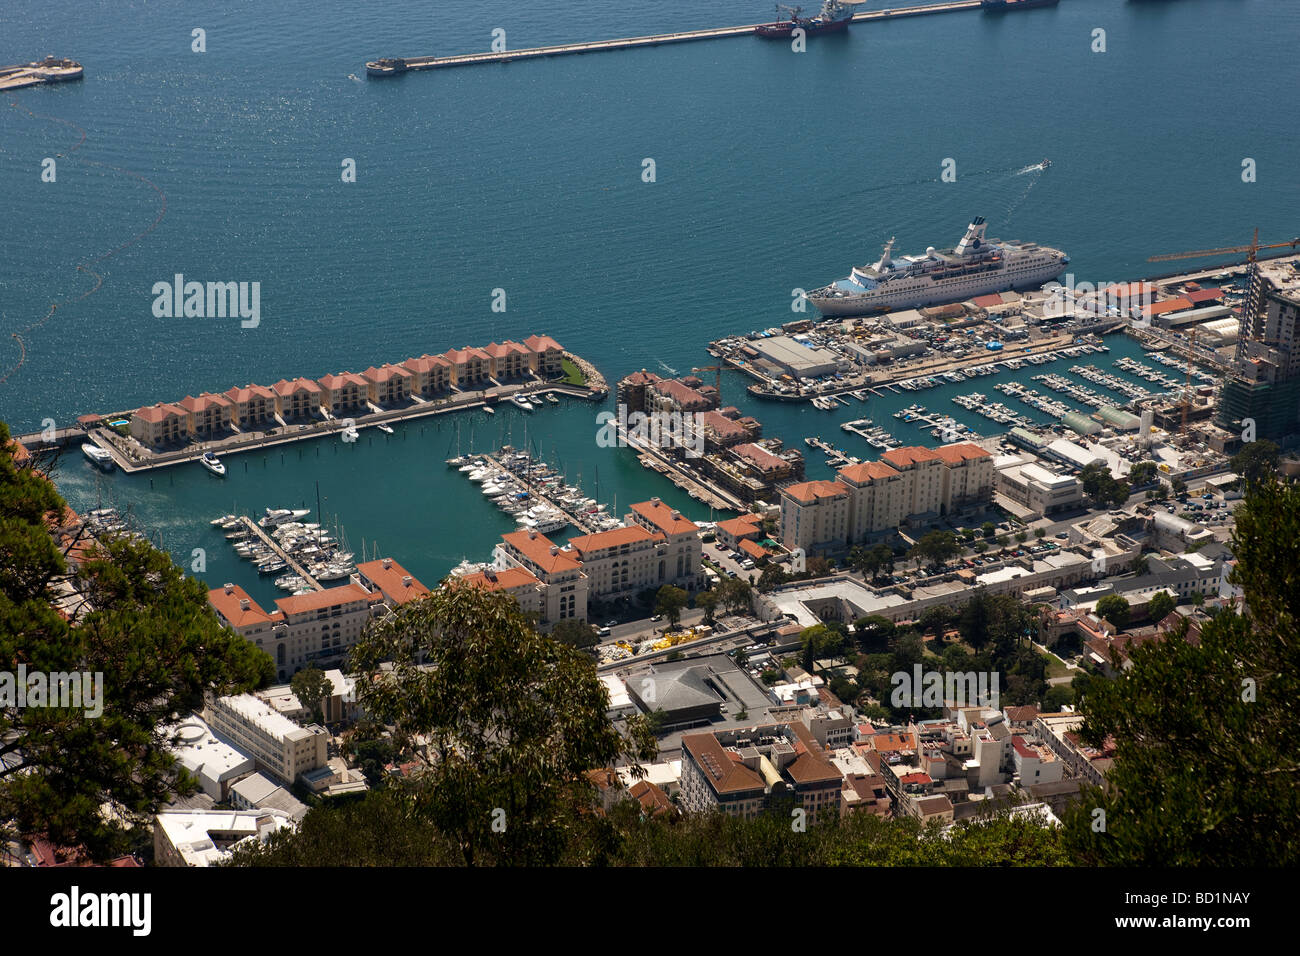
977	266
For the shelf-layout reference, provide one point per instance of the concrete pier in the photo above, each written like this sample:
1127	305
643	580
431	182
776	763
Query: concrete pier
50	70
397	66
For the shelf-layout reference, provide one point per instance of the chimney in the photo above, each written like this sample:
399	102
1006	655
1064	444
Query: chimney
406	579
554	550
532	534
230	588
243	604
490	574
676	514
387	563
655	500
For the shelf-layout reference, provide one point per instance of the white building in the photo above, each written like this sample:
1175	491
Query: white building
206	837
216	764
282	749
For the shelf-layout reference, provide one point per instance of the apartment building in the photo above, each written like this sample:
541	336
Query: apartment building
566	585
683	550
509	360
876	497
657	546
814	516
281	748
520	584
156	425
431	375
343	392
208	414
206	837
252	406
300	398
546	356
388	384
745	771
317	628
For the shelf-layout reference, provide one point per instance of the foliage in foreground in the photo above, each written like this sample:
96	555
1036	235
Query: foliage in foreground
149	631
1207	761
387	829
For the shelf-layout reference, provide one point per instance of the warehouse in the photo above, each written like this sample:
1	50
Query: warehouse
792	358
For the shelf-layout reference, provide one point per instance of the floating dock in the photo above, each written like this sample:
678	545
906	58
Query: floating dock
52	69
394	66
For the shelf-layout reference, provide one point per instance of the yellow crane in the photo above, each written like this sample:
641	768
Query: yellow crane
717	378
1251	251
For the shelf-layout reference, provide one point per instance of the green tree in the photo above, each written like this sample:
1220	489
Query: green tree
1057	696
1142	472
1161	603
773	577
1257	461
935	547
1039	533
736	594
1178	487
989	529
311	687
85	779
708	602
1022	536
575	633
873	632
670	601
1114	608
1226	701
507	721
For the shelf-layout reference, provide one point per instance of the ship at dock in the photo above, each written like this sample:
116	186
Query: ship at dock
975	266
834	16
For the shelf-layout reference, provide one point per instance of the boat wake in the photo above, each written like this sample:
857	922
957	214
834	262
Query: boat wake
670	371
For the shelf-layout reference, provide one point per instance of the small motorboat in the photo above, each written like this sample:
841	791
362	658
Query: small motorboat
213	464
386	429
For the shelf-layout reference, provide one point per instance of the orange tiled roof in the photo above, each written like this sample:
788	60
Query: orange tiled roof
159	412
664	518
867	471
390	580
745	524
907	456
614	538
543	552
809	491
228	604
505	579
962	451
330	597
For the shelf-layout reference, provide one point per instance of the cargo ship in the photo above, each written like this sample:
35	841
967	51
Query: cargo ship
999	5
975	266
835	15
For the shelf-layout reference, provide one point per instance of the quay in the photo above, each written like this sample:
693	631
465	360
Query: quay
701	489
283	555
394	66
107	439
52	69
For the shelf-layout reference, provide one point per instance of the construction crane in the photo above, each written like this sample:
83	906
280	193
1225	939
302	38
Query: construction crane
717	379
1251	251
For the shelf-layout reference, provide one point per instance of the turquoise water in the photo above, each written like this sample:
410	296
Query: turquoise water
774	170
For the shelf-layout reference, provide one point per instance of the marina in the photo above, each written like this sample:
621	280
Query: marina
396	66
533	492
